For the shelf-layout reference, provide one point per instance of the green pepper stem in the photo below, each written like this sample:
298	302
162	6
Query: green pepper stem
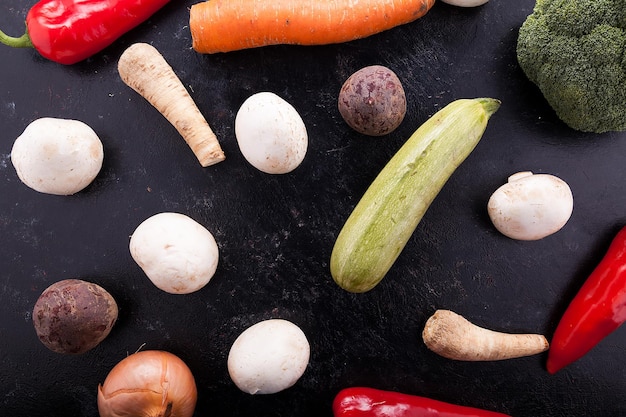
21	42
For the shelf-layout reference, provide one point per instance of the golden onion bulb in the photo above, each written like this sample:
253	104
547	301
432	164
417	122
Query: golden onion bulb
149	383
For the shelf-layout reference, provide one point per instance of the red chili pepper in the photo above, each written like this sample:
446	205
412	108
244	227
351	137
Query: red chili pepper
69	31
597	310
370	402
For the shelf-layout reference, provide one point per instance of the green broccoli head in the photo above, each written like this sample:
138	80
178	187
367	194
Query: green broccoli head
574	51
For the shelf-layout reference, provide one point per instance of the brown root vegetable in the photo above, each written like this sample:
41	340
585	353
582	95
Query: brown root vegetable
73	316
372	101
454	337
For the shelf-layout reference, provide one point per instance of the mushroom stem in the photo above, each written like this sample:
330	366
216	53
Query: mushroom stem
454	337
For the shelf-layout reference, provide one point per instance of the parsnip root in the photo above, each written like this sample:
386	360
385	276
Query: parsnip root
145	70
454	337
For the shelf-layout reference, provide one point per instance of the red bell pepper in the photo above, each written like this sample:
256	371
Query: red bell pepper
69	31
597	310
370	402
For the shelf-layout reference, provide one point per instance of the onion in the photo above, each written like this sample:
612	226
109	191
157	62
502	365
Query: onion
149	383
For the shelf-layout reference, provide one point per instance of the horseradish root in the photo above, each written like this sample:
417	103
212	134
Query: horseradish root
454	337
143	68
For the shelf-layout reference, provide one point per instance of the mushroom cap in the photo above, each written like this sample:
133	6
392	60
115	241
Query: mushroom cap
177	254
57	156
268	357
270	133
531	206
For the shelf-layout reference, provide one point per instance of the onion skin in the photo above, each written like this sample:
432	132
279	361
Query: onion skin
150	383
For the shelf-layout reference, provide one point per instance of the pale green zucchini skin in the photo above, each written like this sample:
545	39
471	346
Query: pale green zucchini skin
388	213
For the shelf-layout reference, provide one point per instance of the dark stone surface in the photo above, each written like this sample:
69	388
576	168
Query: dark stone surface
275	233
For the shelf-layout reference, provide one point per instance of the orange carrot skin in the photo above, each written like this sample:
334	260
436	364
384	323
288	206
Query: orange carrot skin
230	25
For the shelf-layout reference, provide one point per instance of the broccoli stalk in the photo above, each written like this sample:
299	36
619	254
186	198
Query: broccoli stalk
574	51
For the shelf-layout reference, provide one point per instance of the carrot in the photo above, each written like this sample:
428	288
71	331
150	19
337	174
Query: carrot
230	25
143	68
454	337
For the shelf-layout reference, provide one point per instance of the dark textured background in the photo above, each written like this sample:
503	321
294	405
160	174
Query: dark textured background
276	233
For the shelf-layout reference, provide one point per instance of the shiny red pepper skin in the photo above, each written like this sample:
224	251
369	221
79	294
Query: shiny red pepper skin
370	402
597	310
69	31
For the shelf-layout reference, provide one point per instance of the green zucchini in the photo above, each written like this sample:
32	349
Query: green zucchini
388	213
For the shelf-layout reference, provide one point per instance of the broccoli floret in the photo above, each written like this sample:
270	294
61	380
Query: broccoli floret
574	51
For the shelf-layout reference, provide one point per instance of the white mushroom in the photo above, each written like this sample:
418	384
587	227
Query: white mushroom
177	253
268	357
531	206
57	156
271	134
